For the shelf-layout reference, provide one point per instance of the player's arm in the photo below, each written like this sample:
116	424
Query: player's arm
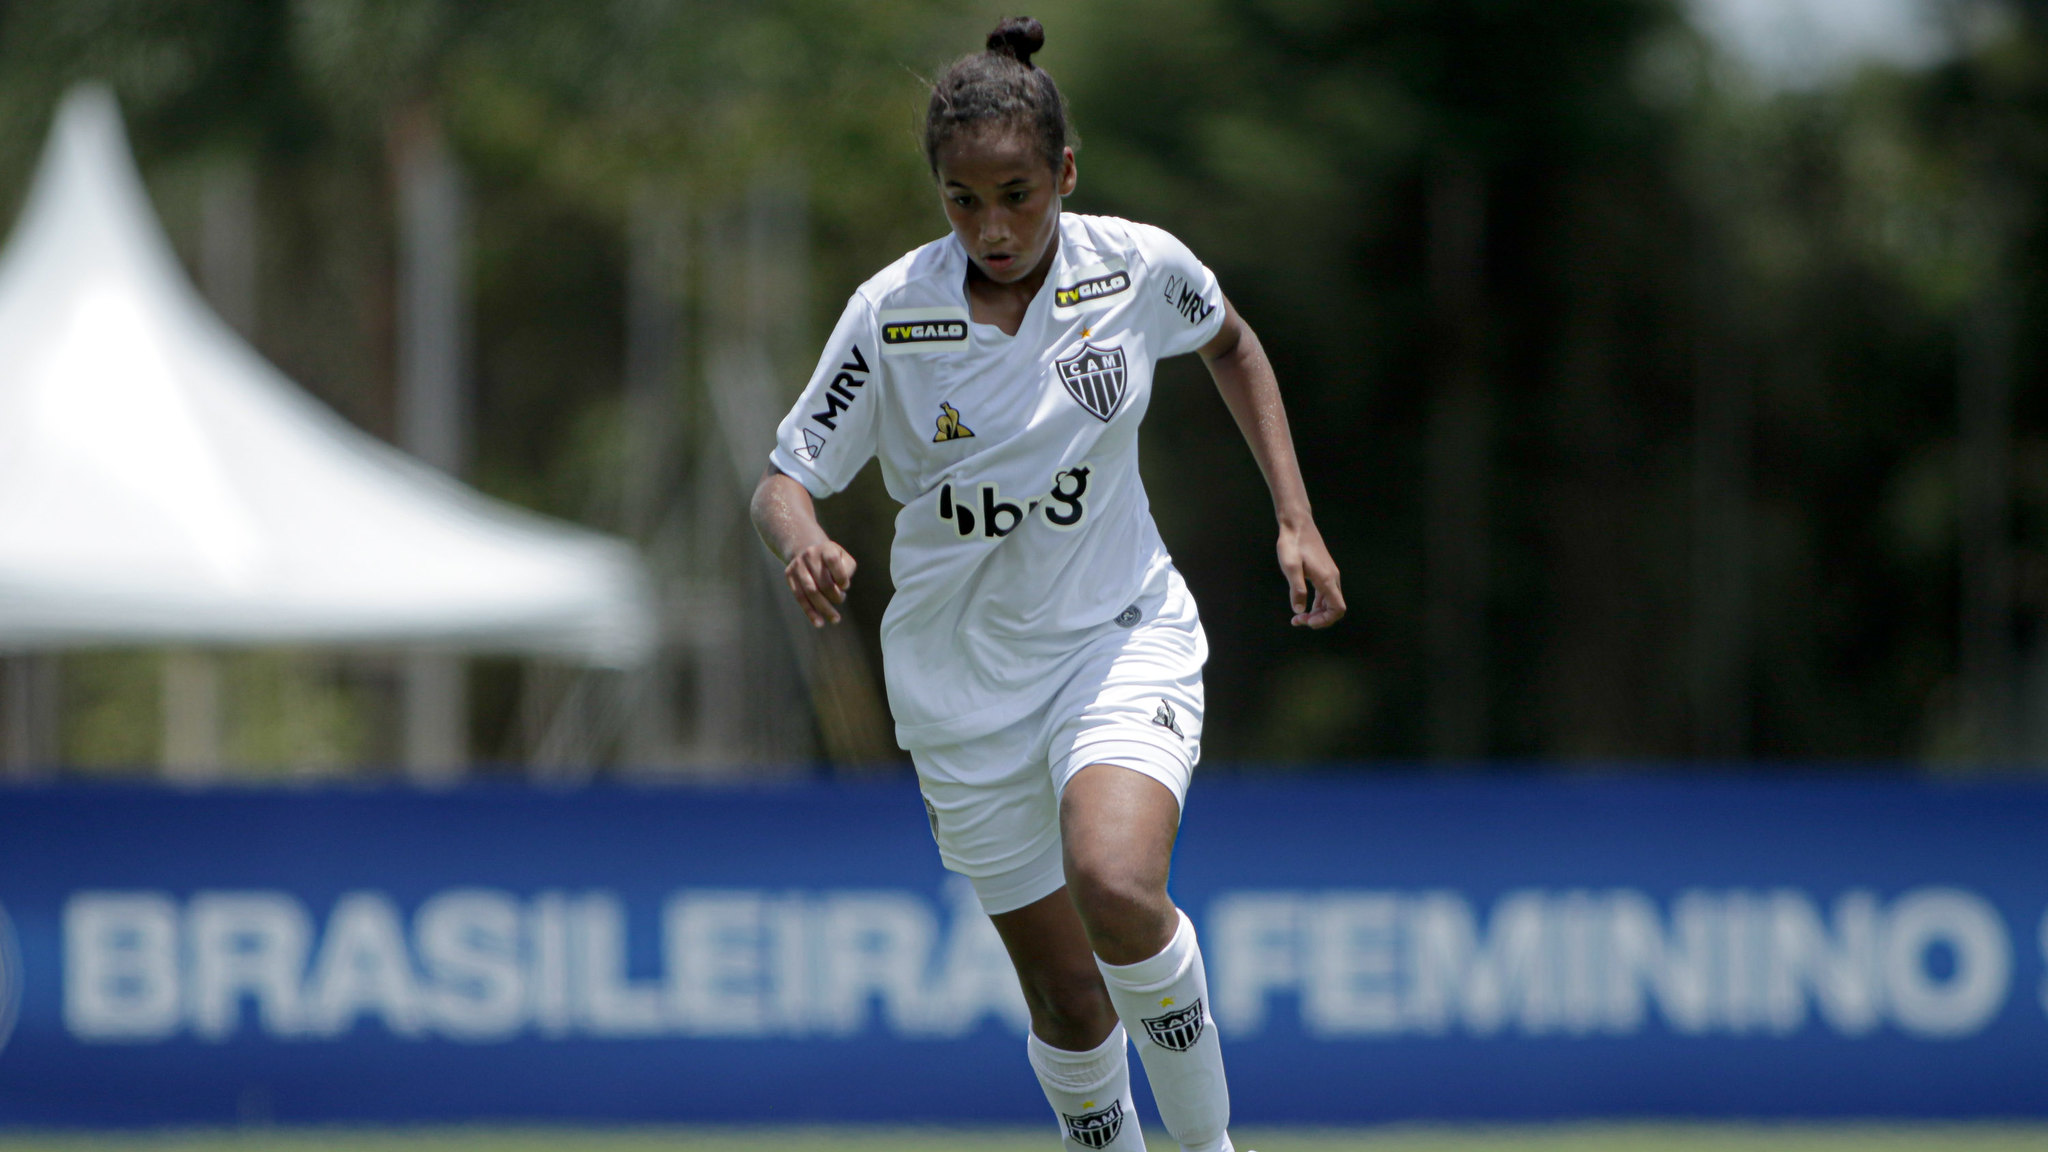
818	570
1245	378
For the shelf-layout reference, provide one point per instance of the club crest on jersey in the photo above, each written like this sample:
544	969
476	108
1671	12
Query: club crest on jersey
1177	1031
950	427
1096	1129
1094	377
813	444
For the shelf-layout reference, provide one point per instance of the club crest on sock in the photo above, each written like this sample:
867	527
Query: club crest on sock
1177	1031
1096	1129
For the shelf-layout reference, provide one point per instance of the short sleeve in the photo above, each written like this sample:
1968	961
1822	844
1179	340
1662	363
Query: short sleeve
1184	305
830	434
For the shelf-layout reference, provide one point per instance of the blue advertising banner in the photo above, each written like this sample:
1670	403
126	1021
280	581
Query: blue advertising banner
1378	949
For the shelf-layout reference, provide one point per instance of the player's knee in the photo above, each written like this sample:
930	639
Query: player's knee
1069	1010
1116	905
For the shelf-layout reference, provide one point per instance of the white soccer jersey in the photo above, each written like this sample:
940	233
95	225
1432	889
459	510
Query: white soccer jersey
1024	531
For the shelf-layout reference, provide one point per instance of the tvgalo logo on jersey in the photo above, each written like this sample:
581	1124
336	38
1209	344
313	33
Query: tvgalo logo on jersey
1177	1031
1095	378
910	330
1096	1129
993	517
1092	286
1186	299
839	396
10	978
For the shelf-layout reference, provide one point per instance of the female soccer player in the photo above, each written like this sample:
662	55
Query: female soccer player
1043	657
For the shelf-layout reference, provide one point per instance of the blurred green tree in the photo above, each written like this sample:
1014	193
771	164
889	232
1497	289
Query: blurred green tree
1653	413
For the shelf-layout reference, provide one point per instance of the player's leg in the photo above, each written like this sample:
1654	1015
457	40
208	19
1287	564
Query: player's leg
1123	760
1117	829
1069	1005
1118	825
996	821
1077	1047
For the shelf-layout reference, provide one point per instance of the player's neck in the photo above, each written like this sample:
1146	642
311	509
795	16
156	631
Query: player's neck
1004	305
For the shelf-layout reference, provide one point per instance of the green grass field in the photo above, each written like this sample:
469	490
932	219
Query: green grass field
1560	1138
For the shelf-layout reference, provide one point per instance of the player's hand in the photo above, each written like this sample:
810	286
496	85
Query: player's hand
1307	564
818	577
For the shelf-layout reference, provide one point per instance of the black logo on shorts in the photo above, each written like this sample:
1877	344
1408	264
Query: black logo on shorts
1166	719
1128	617
1093	289
1096	1129
1177	1031
1095	379
925	332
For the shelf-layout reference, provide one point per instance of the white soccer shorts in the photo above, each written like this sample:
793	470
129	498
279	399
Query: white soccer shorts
1136	702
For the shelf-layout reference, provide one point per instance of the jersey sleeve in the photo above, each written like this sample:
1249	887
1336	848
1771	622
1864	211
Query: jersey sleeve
1184	305
830	433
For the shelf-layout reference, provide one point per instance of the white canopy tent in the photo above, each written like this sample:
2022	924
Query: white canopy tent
160	483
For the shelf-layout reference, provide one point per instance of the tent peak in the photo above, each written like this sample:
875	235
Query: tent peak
87	202
161	482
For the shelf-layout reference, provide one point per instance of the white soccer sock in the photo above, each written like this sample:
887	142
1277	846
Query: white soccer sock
1091	1091
1164	1001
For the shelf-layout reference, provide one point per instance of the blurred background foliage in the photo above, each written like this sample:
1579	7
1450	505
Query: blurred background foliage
1655	410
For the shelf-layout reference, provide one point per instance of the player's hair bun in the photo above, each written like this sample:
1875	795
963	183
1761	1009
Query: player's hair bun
1018	37
989	88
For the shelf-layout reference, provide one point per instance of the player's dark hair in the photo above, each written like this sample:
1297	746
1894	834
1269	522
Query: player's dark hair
1000	87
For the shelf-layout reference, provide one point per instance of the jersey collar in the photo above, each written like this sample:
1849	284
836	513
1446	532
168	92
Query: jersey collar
962	262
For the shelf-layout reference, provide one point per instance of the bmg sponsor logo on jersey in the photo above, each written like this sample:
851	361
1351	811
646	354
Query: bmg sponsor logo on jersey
1186	299
839	396
1064	507
10	978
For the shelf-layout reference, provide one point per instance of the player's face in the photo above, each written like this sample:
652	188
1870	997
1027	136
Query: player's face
1003	201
